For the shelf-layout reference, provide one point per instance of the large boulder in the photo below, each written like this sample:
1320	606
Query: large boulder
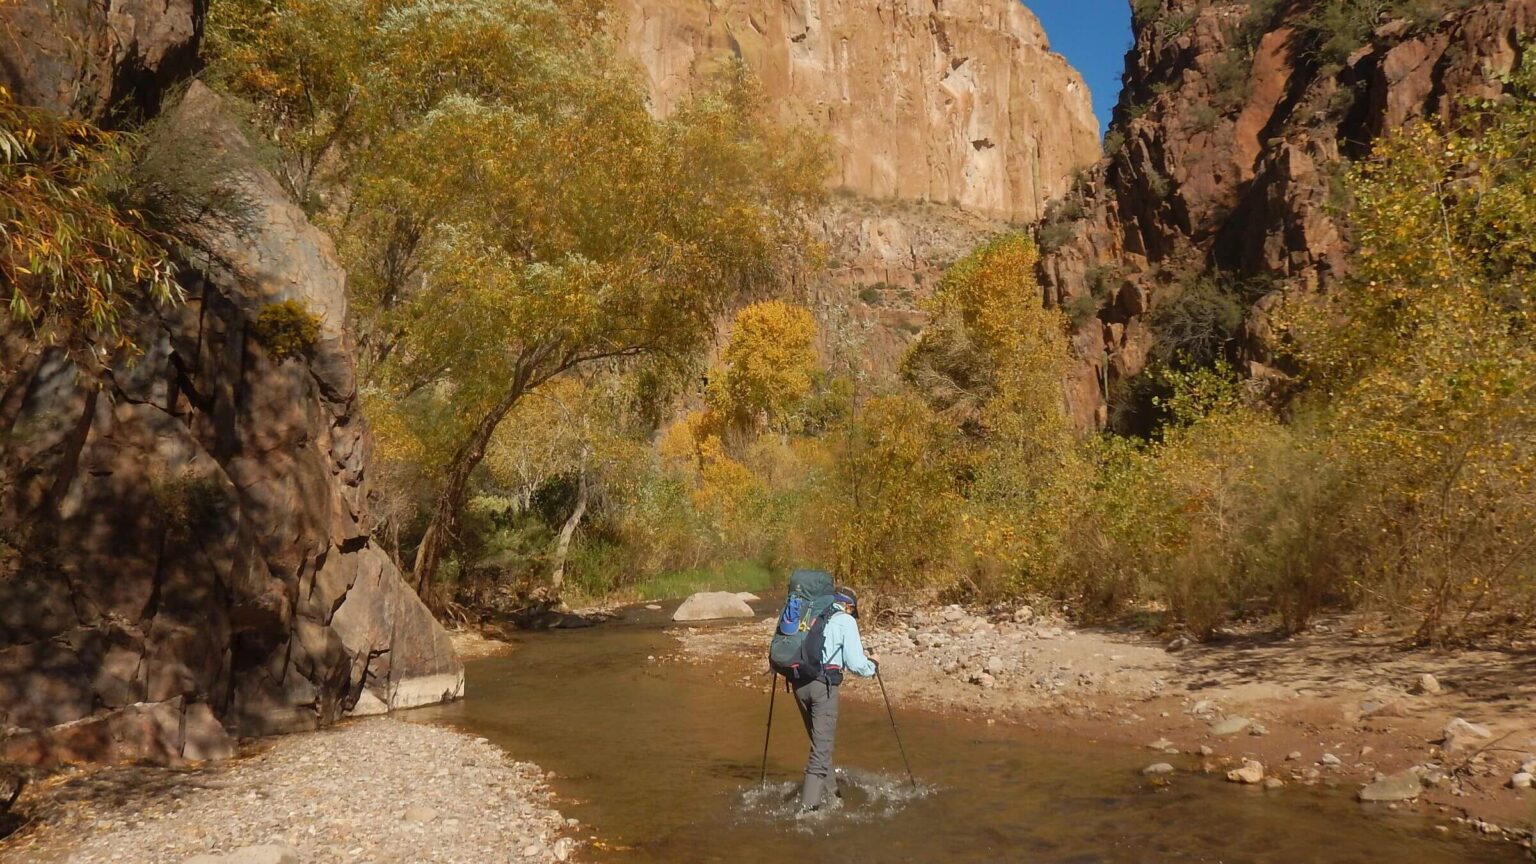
168	732
707	605
191	525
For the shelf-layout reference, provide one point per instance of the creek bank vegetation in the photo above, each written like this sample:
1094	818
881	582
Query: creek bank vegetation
1392	471
536	324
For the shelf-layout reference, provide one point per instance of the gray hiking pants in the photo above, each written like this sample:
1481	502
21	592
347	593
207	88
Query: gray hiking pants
818	708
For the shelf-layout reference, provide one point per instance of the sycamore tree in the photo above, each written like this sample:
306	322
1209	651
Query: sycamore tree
609	236
508	209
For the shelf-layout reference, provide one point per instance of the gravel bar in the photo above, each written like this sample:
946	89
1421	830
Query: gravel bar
378	790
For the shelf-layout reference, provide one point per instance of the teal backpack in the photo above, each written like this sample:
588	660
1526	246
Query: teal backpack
795	651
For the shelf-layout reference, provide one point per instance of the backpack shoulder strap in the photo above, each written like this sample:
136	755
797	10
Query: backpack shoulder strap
826	618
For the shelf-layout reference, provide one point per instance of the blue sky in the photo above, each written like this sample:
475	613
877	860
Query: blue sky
1093	35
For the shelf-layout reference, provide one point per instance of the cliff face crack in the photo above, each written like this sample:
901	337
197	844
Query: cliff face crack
186	387
69	464
940	34
983	144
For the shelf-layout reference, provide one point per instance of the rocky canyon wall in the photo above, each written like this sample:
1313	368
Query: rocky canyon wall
184	536
1224	159
947	120
957	102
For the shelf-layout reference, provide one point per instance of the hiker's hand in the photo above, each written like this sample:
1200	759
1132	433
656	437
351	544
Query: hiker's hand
873	658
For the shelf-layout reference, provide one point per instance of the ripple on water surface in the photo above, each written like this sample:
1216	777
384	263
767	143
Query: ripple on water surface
863	796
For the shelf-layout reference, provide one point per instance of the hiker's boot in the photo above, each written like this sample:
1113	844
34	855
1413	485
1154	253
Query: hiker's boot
812	793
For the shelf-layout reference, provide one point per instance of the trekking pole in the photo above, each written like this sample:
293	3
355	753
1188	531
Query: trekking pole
773	692
892	715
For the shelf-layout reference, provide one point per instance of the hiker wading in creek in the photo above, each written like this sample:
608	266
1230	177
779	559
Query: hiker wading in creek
841	651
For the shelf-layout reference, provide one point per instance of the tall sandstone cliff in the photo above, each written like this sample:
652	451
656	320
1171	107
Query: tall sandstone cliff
958	102
947	120
1225	153
184	537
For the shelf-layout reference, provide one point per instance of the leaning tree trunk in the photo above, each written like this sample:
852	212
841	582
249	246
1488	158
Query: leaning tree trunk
444	526
563	548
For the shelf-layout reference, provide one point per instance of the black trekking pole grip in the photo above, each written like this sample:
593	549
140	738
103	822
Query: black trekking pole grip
892	715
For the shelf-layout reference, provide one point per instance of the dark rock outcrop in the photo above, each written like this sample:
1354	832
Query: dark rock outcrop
89	58
184	540
1224	155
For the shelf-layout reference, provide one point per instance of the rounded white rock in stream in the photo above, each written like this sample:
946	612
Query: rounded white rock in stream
708	605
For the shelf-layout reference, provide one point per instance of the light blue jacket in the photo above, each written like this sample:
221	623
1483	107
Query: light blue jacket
843	647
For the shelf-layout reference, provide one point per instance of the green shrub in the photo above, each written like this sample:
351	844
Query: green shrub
1204	117
1104	281
1230	84
286	329
1054	235
1069	209
1261	18
1197	324
1176	24
1334	29
1082	309
1144	11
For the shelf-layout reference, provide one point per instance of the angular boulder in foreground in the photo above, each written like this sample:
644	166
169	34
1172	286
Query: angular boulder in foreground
190	528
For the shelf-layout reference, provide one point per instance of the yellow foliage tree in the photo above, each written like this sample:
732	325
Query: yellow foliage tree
73	257
994	362
512	210
1428	355
769	364
890	503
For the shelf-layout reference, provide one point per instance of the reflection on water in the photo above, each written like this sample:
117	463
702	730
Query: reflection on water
661	760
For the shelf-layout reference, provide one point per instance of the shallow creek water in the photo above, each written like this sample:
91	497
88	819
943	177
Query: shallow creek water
661	760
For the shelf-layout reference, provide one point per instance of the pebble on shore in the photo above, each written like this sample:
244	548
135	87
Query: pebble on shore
378	790
1251	773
